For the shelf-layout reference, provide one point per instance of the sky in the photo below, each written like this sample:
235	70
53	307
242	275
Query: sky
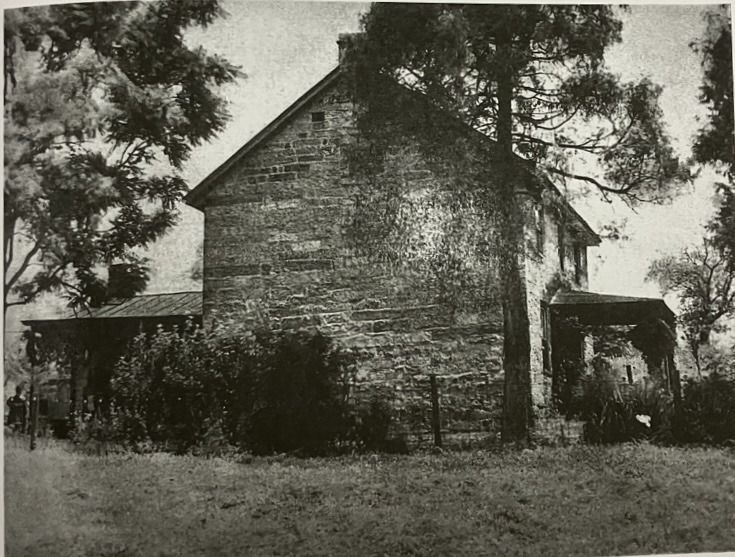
286	47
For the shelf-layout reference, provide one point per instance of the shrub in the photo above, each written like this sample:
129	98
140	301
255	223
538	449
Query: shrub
206	389
707	412
171	385
372	424
616	414
296	395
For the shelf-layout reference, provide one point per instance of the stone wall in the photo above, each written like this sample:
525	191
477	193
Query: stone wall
278	246
275	245
544	274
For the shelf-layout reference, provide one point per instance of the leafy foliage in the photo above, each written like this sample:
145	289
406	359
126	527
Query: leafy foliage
617	413
104	102
16	369
703	280
264	391
718	359
613	413
296	397
715	142
707	413
564	100
722	226
372	424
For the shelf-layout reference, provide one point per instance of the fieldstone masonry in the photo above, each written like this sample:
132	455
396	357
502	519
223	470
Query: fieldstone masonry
274	245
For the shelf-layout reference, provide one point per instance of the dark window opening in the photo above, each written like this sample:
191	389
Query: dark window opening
561	247
546	337
317	117
580	262
629	373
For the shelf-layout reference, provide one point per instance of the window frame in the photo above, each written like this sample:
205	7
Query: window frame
580	262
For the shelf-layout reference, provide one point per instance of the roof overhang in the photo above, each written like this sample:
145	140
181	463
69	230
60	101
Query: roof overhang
591	308
176	305
196	197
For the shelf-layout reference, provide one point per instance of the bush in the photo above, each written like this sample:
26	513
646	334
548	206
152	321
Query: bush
372	424
170	386
207	389
707	412
295	396
616	414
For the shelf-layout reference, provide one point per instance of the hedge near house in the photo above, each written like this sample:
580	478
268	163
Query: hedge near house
262	391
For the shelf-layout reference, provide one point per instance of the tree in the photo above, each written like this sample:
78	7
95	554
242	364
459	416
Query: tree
715	142
532	79
103	104
702	278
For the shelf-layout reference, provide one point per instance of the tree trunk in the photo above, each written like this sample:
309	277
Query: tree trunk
704	335
702	339
517	414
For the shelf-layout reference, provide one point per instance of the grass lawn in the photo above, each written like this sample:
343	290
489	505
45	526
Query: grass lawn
565	501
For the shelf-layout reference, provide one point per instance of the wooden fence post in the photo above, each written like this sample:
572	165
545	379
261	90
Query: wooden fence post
435	415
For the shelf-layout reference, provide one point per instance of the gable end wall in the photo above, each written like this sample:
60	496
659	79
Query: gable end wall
275	247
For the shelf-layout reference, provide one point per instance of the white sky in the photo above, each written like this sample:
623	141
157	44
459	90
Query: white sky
286	47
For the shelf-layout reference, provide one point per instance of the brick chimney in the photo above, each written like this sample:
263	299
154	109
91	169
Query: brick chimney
124	281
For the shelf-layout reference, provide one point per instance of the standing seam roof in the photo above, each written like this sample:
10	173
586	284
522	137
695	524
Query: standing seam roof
149	305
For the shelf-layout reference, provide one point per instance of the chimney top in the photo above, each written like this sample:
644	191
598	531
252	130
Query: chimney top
346	41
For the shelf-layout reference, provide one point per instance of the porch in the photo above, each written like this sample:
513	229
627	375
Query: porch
632	339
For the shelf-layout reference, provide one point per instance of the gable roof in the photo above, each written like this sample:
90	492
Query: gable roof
196	197
175	304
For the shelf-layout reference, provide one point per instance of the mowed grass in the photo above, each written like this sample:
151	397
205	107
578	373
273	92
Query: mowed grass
565	501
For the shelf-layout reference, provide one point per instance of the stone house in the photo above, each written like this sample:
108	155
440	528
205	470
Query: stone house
280	244
276	220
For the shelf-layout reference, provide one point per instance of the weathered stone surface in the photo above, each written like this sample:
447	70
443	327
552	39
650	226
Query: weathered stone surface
275	246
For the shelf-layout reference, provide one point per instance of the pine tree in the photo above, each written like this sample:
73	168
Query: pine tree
532	78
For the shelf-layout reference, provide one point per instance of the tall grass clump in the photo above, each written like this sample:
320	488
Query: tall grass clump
616	413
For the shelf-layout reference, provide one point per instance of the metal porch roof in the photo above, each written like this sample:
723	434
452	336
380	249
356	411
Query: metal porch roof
610	309
175	304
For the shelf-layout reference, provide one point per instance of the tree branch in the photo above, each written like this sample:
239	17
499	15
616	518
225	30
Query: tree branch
23	266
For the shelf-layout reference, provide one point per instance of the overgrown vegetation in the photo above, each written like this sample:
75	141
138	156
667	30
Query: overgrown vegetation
618	413
615	413
707	412
261	391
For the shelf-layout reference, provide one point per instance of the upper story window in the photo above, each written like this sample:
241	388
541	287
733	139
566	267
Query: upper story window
546	337
580	262
317	120
562	249
539	228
